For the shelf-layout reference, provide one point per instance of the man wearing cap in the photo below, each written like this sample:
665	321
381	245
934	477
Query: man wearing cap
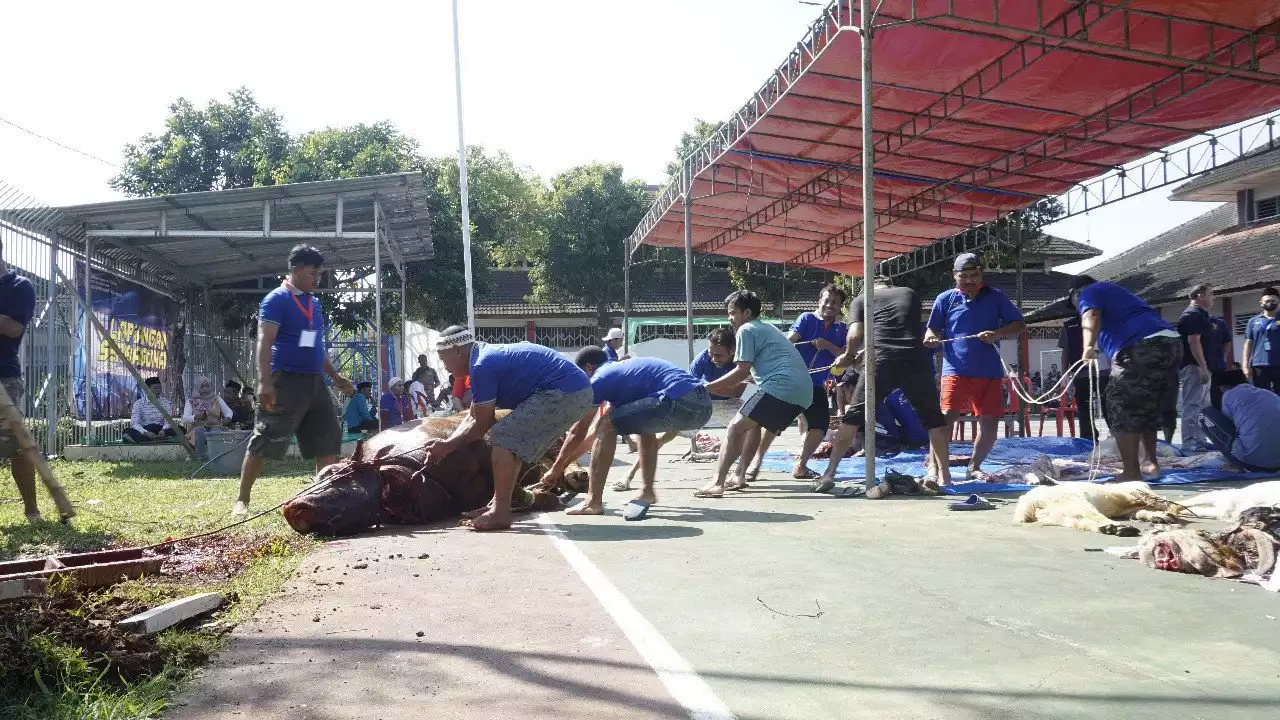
1145	352
612	344
644	397
292	363
545	392
820	337
969	321
395	407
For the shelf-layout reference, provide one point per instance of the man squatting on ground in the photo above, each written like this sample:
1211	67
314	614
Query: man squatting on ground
820	337
712	364
644	397
902	362
292	362
545	392
1244	430
17	304
972	371
782	382
1144	350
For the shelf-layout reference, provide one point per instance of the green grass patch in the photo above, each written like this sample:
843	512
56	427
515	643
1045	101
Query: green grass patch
60	657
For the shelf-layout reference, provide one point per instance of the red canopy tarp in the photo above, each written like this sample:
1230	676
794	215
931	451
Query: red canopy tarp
981	107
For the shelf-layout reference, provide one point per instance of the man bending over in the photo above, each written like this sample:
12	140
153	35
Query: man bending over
1244	431
545	392
645	397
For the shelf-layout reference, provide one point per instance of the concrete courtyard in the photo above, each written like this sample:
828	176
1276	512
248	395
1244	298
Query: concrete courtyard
769	604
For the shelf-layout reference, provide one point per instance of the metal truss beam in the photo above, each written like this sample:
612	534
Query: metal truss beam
1021	56
1145	175
1150	99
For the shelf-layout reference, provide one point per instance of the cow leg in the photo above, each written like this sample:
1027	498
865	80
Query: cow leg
1079	514
1159	517
506	466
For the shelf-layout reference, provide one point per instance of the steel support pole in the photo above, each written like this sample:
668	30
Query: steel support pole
90	356
688	255
462	177
51	354
405	357
377	299
868	250
626	296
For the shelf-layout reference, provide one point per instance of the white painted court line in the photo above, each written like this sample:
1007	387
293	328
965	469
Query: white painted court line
685	686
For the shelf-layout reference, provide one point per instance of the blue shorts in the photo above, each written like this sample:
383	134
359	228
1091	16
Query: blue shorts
651	416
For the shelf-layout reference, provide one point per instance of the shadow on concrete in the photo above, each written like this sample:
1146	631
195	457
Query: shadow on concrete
519	665
621	531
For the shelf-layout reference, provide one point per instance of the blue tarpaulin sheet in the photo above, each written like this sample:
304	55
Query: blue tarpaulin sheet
1007	452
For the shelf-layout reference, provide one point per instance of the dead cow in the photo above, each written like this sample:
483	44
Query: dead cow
387	480
1093	508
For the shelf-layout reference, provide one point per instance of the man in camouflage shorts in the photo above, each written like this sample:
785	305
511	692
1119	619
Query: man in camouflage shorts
1144	350
17	304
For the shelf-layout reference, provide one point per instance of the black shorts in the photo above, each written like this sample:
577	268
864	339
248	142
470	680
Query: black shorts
818	415
912	375
771	413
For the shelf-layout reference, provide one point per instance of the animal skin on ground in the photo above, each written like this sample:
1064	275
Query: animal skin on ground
1094	508
387	480
1229	504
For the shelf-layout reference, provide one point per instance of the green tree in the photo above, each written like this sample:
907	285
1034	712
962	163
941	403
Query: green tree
355	151
592	209
231	144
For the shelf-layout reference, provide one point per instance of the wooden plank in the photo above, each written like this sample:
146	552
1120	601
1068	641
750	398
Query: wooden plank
71	560
10	589
99	574
170	614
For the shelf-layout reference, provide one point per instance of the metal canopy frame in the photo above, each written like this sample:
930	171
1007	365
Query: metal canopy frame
1180	61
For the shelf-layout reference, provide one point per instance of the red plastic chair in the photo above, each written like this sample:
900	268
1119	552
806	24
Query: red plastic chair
1067	411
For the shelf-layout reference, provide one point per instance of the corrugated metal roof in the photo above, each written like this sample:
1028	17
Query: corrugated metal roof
298	207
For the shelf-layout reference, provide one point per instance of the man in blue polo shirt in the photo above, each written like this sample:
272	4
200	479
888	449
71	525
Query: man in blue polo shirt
612	344
292	362
545	392
17	304
1201	357
646	397
1244	431
820	337
1262	344
969	321
1144	350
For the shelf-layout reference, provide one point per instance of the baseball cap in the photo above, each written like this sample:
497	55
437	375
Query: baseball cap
614	334
965	260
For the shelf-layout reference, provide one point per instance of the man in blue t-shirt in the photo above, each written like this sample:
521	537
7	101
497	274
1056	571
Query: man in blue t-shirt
820	338
1200	357
1224	360
968	322
644	397
292	362
612	344
545	392
358	416
17	304
1262	344
1244	431
1144	349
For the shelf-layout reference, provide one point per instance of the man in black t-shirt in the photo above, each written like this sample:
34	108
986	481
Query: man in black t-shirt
1071	342
902	362
1199	345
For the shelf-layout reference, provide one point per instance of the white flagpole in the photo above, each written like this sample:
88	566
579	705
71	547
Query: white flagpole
462	177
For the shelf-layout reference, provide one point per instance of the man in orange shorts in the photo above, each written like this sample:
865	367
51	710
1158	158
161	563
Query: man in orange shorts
972	372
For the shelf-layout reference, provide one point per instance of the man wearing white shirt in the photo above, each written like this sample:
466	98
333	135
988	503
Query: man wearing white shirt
146	423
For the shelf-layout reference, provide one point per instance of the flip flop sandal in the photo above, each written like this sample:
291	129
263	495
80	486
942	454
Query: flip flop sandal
752	475
622	485
973	502
848	490
808	474
707	494
635	510
822	486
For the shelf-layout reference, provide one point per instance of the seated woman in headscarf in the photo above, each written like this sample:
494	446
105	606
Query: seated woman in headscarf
205	409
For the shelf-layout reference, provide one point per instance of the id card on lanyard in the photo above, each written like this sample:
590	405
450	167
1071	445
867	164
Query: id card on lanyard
1266	334
306	338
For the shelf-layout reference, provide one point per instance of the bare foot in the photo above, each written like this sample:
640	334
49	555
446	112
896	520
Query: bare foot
1125	478
1151	469
804	472
649	497
472	514
489	521
753	473
241	508
930	486
710	490
736	484
586	508
622	485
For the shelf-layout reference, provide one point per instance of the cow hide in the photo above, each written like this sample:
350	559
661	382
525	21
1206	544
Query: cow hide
1095	508
387	481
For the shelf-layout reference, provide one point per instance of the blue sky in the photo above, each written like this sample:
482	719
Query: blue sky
554	83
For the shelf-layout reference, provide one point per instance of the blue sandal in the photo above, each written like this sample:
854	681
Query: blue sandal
973	502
